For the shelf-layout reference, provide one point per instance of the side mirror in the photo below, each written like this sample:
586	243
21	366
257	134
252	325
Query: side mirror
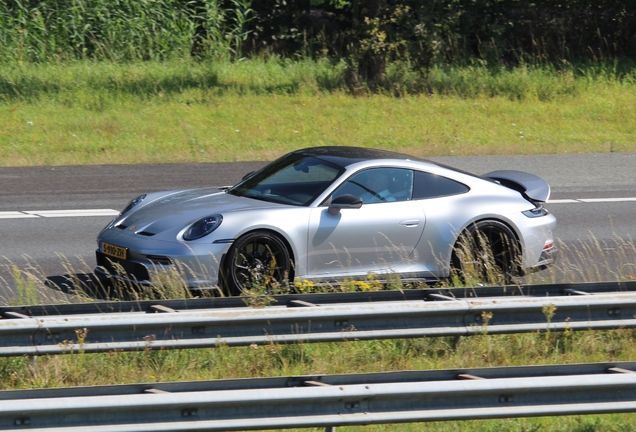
344	202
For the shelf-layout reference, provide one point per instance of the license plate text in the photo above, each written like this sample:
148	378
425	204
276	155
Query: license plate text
114	251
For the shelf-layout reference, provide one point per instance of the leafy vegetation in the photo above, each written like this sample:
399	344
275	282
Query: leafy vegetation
367	36
509	30
40	31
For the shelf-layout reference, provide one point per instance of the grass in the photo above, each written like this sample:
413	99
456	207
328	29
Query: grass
592	260
321	358
94	113
284	360
612	261
102	113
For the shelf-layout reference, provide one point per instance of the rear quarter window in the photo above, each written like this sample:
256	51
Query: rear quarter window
427	185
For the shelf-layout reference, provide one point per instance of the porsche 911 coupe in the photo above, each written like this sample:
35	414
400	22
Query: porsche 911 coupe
327	214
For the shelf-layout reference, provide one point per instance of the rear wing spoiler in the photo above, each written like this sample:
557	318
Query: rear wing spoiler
529	185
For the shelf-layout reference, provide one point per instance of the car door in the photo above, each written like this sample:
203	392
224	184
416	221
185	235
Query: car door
376	237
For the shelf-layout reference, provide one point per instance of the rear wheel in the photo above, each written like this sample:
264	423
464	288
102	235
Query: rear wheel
257	260
486	252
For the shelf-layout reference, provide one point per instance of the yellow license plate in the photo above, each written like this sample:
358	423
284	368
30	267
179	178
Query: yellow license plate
114	251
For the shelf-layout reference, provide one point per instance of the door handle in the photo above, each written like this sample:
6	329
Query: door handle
410	222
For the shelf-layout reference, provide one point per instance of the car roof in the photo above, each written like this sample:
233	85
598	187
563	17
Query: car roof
345	156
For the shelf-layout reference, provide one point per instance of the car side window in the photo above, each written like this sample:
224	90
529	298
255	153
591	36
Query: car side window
377	185
427	185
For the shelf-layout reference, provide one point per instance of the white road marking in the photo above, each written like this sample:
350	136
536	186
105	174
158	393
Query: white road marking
31	214
603	200
591	200
57	213
15	215
563	201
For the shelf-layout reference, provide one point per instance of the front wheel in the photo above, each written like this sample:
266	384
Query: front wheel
259	259
486	252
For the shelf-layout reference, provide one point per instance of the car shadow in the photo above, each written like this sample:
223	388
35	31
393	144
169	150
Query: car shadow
85	285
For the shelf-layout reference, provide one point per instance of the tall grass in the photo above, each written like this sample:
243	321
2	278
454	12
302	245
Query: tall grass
611	261
275	76
523	83
591	259
120	31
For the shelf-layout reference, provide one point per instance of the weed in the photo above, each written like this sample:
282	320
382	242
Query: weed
25	286
591	260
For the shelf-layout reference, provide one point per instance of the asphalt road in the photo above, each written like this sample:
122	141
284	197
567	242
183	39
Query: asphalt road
593	197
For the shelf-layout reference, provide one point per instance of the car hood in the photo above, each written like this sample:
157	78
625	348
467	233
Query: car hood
175	210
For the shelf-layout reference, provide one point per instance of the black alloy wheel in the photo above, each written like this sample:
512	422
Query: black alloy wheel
259	259
487	251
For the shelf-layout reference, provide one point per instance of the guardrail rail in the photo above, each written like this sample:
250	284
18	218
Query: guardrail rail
175	324
326	400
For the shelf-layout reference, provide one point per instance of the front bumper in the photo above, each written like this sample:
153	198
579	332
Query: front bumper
150	261
150	273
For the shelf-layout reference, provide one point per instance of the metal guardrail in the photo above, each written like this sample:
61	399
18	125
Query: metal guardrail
326	400
431	294
312	322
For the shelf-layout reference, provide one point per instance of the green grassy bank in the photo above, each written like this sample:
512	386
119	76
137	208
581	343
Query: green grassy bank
96	113
81	369
99	113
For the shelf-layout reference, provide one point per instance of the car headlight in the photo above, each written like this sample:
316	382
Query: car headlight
132	203
203	227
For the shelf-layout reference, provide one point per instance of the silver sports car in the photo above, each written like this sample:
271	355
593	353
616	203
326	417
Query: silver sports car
326	214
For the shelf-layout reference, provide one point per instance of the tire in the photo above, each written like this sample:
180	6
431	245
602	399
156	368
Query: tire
487	251
259	259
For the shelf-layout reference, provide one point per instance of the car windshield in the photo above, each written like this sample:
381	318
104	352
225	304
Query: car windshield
293	179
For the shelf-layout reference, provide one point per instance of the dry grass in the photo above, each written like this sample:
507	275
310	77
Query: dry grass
481	350
591	260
